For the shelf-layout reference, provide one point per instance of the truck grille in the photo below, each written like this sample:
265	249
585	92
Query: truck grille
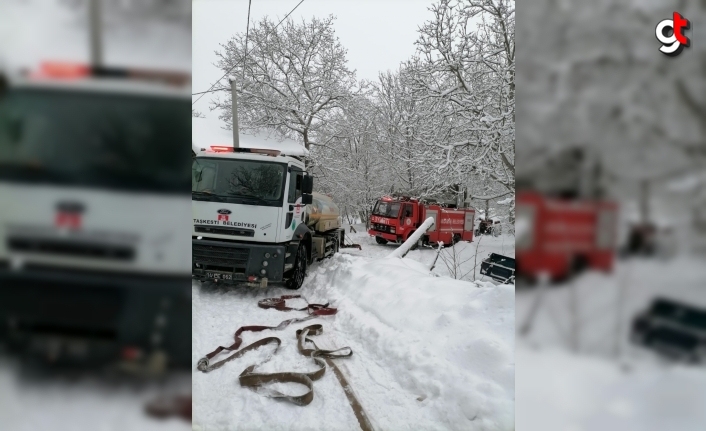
71	248
381	227
214	256
225	231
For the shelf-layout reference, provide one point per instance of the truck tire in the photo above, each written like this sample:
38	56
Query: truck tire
578	265
297	274
380	240
457	238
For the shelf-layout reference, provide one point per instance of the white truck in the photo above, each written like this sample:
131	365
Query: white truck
256	221
94	266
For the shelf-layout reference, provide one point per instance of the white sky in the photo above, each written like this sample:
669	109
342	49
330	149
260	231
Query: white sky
34	31
379	35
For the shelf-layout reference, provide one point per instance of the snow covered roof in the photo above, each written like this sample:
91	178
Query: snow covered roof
209	131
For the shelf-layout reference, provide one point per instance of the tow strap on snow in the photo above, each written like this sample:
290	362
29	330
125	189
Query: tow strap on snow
302	334
312	309
204	363
255	381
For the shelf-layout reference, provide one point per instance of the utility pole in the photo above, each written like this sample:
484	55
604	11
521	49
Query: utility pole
95	35
234	108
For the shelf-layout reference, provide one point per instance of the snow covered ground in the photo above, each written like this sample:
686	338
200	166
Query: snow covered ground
459	260
557	390
29	403
429	352
608	384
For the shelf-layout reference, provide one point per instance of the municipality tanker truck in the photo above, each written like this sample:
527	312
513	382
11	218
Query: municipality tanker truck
256	221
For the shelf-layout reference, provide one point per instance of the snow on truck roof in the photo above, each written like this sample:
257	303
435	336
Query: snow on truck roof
207	132
80	77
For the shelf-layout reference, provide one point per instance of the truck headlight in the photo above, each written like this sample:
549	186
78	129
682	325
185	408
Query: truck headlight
392	230
267	255
264	263
263	272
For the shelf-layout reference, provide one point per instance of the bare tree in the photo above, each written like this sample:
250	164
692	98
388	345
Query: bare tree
290	80
468	52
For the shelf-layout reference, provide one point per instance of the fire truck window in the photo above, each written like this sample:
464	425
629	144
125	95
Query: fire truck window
387	209
408	211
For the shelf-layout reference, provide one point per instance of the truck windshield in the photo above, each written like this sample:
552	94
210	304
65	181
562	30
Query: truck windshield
94	139
249	182
387	209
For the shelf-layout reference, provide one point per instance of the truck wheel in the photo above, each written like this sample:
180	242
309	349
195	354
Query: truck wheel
457	238
380	240
578	265
298	273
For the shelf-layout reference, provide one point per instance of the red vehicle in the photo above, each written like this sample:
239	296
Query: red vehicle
561	237
394	219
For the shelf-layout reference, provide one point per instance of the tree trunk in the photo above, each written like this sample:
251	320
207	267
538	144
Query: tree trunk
645	201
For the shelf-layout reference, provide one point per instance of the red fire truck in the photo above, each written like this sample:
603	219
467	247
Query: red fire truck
394	219
560	237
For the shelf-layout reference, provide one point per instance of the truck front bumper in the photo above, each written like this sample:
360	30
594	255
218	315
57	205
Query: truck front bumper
75	317
388	236
238	263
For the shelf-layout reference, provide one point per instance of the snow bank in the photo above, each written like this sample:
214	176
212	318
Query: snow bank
429	352
560	391
448	344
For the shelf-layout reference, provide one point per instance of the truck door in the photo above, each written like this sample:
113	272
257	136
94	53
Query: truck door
295	212
407	219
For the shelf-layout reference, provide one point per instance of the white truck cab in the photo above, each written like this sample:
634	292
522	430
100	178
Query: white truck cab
250	211
91	188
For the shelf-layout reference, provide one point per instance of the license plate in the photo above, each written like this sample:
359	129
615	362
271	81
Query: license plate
219	275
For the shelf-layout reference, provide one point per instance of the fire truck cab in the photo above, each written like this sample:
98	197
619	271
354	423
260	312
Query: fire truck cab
394	219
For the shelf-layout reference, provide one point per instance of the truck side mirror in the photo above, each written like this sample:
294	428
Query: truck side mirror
4	85
307	199
307	184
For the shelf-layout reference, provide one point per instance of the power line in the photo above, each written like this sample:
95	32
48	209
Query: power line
247	31
246	53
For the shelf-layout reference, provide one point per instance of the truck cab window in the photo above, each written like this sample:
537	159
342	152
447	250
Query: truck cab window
407	211
295	186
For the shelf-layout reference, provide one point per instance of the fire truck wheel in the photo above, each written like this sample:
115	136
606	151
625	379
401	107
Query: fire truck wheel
380	240
578	265
297	274
457	238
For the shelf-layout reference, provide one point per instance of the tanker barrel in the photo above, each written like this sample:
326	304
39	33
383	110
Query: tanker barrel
323	213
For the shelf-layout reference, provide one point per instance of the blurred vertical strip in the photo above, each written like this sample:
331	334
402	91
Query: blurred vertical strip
95	297
611	218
